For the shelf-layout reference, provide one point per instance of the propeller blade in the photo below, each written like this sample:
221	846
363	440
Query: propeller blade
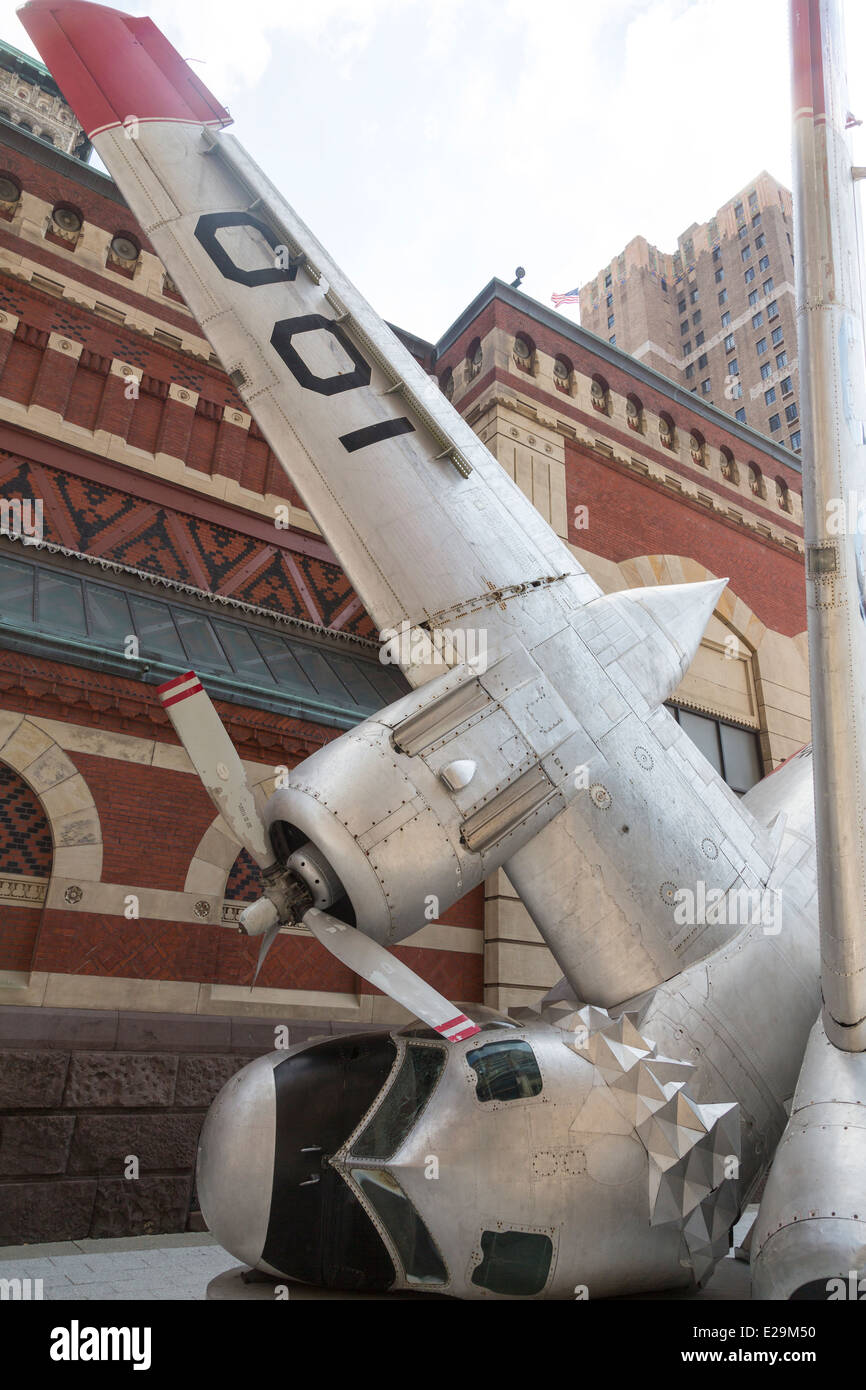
370	960
268	940
215	759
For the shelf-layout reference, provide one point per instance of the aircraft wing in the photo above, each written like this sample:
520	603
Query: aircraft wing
422	517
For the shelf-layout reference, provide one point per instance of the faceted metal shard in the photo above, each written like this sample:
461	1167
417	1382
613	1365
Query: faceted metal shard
713	1219
611	1057
661	1143
724	1121
668	1205
595	1019
703	1258
625	1032
638	1093
679	1192
569	1020
699	1170
687	1114
668	1069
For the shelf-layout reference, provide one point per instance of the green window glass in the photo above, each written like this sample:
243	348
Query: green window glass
505	1070
16	593
61	605
410	1091
243	653
197	635
108	616
153	623
283	664
513	1262
411	1239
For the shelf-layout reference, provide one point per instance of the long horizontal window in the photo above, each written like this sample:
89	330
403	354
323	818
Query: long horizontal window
100	619
735	753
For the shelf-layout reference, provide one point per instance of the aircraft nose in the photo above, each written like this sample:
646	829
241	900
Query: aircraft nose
268	1191
235	1166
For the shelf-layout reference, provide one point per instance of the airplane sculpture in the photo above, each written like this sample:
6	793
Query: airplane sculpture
605	1143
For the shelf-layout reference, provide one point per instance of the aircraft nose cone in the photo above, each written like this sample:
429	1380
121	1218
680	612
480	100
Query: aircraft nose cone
235	1167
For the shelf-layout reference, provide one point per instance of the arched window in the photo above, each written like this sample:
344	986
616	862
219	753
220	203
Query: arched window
242	884
474	359
10	192
698	448
446	384
783	494
634	414
667	431
756	481
65	224
123	253
729	467
562	374
524	352
599	394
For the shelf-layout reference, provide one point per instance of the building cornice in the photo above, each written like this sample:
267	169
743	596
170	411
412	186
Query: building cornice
69	165
570	332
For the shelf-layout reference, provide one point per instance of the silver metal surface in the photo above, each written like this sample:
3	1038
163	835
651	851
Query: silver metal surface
833	403
810	1236
235	1163
811	1226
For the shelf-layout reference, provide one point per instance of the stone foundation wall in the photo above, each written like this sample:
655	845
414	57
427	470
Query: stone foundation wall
81	1091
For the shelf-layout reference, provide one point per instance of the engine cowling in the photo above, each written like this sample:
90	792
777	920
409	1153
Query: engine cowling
424	800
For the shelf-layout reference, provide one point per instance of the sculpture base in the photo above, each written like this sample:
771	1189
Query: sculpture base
730	1281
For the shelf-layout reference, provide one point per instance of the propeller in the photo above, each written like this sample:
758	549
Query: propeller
215	759
367	958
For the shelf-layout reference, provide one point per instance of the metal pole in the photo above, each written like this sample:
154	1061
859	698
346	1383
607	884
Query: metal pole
833	400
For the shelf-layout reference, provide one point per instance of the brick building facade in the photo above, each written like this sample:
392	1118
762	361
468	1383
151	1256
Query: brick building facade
171	538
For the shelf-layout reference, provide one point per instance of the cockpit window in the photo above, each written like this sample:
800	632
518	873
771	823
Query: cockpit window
412	1241
505	1070
410	1091
513	1262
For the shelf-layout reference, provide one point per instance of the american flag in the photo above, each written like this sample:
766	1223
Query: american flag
570	297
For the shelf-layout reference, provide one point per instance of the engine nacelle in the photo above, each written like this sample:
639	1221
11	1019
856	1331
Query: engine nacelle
426	799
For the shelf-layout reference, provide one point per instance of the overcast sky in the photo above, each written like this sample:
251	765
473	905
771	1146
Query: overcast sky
432	144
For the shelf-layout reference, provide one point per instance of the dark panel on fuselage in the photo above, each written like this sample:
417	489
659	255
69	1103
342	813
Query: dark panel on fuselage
318	1230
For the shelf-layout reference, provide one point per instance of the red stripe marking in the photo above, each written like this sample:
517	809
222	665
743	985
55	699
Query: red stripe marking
808	58
176	680
467	1033
452	1023
184	695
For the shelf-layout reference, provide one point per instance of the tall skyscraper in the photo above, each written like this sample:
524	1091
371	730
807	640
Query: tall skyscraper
718	315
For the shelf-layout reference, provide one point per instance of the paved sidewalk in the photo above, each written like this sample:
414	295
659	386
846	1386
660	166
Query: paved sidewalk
181	1267
131	1268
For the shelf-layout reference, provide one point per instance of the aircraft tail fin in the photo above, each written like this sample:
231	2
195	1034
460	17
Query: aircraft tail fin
132	72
